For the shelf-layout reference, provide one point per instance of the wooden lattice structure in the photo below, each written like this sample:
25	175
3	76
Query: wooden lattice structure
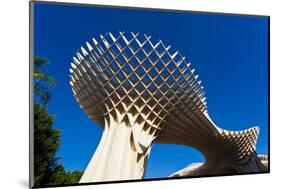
142	92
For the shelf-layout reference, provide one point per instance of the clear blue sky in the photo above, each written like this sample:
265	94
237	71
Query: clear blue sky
229	53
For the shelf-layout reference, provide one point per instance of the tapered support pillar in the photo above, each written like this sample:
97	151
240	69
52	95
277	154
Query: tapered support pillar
117	156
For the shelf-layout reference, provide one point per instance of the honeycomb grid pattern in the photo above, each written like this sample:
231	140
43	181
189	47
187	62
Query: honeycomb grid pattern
143	75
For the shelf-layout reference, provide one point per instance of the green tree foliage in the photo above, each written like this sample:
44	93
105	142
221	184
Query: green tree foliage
43	83
46	143
47	168
60	176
